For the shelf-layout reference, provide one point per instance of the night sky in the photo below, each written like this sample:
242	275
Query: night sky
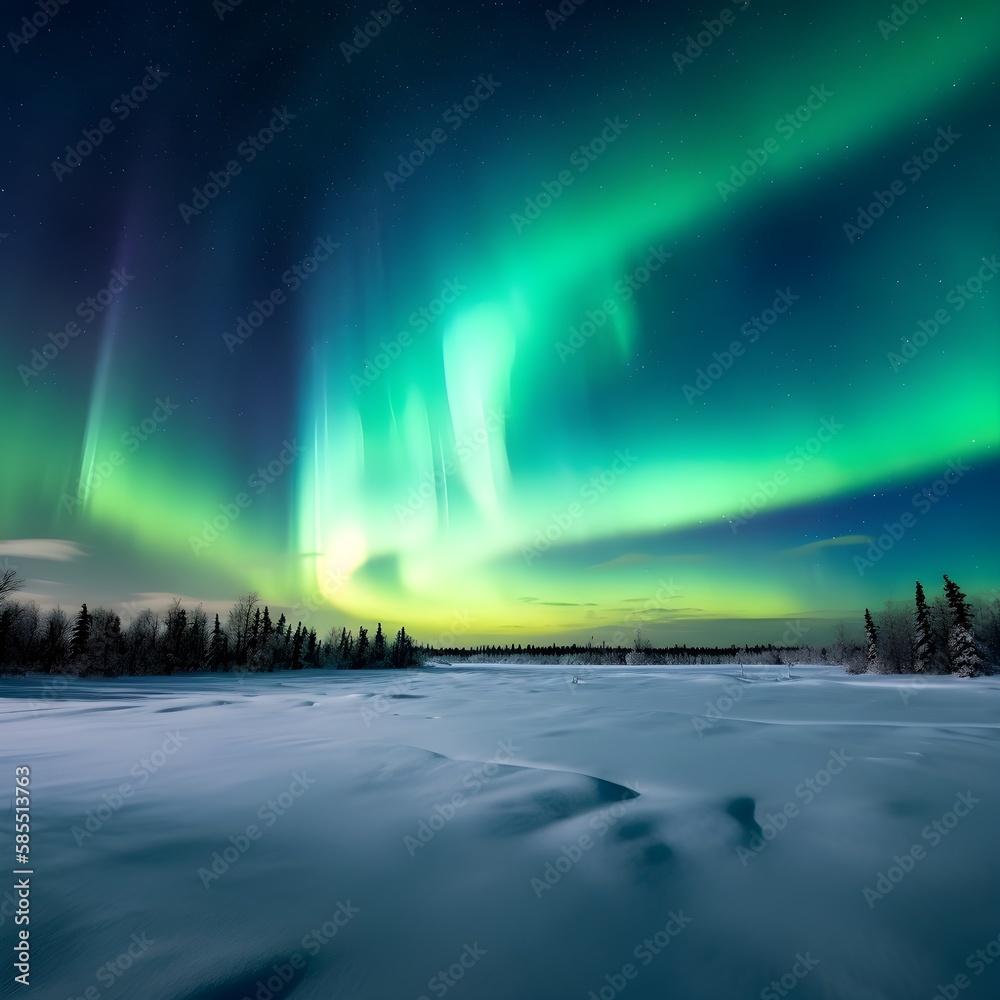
504	325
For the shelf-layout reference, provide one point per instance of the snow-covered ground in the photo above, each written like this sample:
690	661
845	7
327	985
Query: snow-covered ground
509	832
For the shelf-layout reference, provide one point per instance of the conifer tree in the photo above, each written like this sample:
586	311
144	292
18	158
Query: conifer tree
360	658
402	650
960	608
378	647
80	637
253	638
924	647
962	651
217	646
345	648
871	641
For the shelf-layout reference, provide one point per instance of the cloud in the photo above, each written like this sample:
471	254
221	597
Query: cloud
556	604
660	615
40	548
629	559
160	601
827	543
640	558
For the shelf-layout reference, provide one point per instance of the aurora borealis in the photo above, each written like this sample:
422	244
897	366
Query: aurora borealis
506	325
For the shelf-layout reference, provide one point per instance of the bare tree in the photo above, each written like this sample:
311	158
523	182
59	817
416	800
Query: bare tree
239	622
9	582
142	642
846	649
896	637
55	638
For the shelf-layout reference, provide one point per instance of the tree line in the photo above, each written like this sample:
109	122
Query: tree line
948	635
639	652
183	641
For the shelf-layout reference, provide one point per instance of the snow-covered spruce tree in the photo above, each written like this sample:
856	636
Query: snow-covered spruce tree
924	647
941	622
871	643
986	618
962	651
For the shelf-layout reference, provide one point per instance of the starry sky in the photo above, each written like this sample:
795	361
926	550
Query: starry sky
500	322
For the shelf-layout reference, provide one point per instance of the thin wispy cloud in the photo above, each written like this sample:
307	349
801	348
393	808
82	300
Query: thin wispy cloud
827	543
41	548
